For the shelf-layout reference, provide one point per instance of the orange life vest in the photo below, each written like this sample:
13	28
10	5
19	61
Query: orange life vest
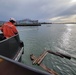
8	29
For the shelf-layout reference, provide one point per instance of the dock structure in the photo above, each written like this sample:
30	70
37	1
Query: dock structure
28	22
35	24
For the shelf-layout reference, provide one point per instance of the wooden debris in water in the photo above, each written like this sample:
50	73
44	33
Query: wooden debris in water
39	58
43	66
42	58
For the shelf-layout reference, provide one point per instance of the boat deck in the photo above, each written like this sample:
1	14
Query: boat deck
11	67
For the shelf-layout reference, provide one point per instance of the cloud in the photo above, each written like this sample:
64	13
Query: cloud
42	10
67	18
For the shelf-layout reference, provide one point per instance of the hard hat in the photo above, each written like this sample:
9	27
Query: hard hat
12	19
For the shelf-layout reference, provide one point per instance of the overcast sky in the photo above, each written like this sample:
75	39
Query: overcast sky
42	10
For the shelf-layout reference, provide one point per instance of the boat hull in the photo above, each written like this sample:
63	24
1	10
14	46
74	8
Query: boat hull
11	67
11	47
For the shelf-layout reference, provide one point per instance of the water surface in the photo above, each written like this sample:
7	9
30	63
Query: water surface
54	37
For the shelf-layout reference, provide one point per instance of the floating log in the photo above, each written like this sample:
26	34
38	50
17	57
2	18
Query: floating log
39	58
43	66
59	54
64	55
42	58
55	53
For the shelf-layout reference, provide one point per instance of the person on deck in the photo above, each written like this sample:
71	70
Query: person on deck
9	28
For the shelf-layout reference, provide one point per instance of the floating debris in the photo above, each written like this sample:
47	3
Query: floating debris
38	60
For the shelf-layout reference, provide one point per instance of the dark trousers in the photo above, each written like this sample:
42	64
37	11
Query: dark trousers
2	37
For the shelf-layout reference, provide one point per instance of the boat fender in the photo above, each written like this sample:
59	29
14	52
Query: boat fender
21	44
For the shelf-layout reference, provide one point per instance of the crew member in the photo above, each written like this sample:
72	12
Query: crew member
9	28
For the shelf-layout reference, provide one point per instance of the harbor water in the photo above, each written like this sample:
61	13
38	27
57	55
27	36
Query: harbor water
54	37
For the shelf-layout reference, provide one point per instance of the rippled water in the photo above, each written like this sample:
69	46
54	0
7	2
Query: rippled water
54	37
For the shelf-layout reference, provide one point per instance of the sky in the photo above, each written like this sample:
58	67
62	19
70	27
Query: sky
41	10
